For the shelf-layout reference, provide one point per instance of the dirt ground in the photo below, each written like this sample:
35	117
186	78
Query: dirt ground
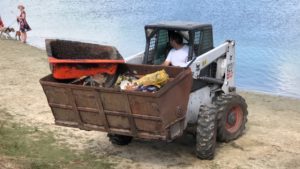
271	139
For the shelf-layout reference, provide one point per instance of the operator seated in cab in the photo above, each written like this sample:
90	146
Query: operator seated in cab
178	55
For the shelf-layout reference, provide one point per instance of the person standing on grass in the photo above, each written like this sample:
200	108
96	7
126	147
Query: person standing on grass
24	27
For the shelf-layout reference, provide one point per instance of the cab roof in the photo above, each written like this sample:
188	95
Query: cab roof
175	25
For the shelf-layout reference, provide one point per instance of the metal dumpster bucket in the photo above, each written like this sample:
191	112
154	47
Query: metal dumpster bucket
158	115
71	59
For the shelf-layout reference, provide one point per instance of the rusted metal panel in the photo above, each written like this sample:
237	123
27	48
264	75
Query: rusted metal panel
76	113
144	106
118	122
114	101
85	99
91	118
57	95
143	115
101	112
149	126
130	118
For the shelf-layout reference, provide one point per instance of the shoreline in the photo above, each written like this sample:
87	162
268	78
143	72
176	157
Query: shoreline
242	90
238	89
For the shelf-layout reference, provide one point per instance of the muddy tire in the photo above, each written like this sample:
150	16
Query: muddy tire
232	116
206	133
119	139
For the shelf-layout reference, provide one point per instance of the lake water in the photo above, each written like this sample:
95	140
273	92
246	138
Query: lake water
267	32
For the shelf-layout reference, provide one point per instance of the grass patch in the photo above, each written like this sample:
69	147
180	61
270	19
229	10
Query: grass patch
34	149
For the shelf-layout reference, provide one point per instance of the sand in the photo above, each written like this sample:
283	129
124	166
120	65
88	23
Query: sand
271	139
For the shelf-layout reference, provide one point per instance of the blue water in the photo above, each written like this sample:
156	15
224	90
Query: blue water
267	32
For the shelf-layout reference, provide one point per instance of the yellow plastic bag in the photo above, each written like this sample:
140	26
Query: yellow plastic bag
158	79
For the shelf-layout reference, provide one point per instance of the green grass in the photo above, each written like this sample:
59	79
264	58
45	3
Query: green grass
34	149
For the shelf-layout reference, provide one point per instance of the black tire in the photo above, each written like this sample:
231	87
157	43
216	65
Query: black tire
232	116
111	79
206	133
119	139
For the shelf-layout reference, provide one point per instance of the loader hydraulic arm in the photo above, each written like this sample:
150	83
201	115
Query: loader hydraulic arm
224	56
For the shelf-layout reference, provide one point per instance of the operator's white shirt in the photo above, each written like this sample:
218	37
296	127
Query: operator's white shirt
178	57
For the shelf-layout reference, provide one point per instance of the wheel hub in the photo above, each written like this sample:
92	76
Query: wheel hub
234	119
231	118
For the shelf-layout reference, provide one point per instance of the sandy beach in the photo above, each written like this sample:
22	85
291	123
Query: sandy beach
271	139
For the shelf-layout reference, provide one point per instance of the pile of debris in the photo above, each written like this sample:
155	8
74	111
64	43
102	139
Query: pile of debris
129	81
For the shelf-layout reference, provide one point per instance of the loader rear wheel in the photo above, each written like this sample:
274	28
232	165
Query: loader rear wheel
206	133
119	139
232	116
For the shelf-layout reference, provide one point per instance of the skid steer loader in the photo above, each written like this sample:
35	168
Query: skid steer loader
215	111
201	98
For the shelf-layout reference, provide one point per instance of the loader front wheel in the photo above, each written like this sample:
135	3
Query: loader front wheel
119	139
206	133
232	116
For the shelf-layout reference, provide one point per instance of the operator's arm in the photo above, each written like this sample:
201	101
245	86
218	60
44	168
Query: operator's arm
167	62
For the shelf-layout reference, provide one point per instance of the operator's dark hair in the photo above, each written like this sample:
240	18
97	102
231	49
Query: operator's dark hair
176	37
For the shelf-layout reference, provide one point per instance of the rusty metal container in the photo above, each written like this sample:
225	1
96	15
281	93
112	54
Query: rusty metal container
158	116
